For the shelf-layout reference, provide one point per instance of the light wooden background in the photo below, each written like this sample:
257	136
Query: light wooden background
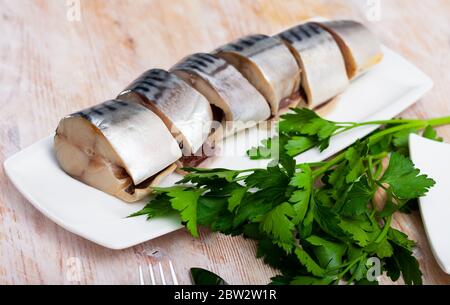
50	67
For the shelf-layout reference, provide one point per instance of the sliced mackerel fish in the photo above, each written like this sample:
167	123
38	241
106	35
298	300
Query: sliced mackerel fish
268	65
120	148
183	109
168	119
225	88
360	47
323	68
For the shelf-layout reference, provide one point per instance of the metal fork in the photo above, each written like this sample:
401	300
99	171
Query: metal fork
161	274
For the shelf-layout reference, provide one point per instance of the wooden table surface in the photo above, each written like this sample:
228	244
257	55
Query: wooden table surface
52	65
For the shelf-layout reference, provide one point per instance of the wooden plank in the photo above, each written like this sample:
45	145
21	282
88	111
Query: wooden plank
51	66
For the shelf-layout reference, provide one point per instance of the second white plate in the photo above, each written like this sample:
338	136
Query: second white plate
432	158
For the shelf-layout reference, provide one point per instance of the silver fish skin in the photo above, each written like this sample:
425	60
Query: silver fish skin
323	68
267	64
118	147
360	47
183	109
224	87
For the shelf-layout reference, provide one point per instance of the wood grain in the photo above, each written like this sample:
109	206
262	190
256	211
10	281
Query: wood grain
50	66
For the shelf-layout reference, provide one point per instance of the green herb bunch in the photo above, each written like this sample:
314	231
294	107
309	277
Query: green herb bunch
317	223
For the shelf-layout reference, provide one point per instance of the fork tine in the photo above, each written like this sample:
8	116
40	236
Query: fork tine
172	272
152	275
161	274
141	276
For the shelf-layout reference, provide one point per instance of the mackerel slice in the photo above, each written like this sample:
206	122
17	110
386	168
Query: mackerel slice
120	148
360	47
323	68
267	64
225	88
183	109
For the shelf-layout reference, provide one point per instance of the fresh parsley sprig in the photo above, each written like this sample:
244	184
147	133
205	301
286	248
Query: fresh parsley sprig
302	129
318	223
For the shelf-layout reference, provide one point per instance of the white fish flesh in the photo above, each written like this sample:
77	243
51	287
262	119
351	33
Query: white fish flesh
225	88
360	47
323	68
183	109
267	64
118	147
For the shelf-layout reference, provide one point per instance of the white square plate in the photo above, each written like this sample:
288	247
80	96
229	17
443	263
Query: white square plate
382	93
433	159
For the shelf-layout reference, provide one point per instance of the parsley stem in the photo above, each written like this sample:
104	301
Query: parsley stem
328	164
370	171
379	156
342	130
350	266
402	122
439	121
247	170
377	136
433	122
379	169
386	122
385	230
312	164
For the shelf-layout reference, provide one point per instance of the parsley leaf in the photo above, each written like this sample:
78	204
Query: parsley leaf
309	263
430	133
208	177
355	164
359	230
268	148
236	197
309	126
358	197
330	254
303	181
278	258
357	255
404	178
212	211
278	225
159	206
405	263
400	239
401	140
307	122
184	200
273	176
253	207
298	144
